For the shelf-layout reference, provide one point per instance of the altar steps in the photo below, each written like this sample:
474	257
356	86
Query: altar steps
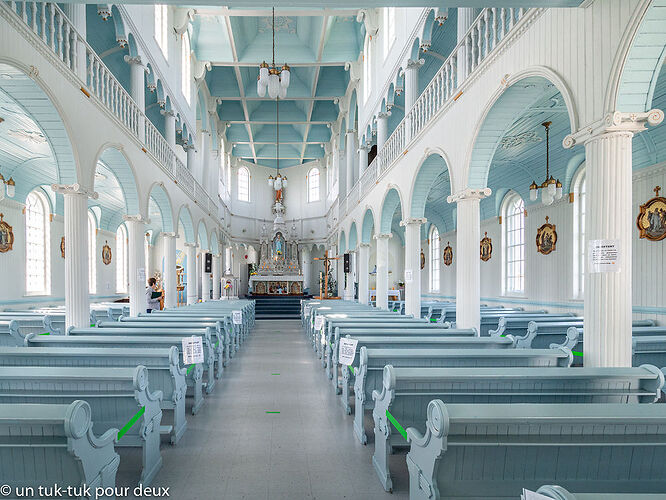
288	307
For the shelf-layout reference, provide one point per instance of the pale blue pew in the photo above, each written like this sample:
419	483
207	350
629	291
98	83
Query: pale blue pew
194	373
46	444
559	493
518	327
495	450
115	396
163	365
369	364
406	392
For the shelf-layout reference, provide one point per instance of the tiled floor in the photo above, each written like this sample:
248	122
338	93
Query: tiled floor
233	449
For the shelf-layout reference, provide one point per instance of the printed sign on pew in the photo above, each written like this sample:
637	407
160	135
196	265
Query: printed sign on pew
347	351
237	317
319	322
193	350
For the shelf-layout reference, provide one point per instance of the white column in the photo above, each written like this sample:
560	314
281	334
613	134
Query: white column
412	82
609	216
205	278
341	274
468	268
205	153
191	157
138	275
138	90
363	264
170	280
350	150
382	269
191	251
362	159
76	12
147	249
465	20
216	277
77	289
349	289
413	265
306	266
169	127
382	129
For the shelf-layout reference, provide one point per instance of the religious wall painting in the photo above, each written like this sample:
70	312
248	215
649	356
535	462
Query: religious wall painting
448	254
260	288
486	248
6	236
62	247
106	253
423	259
546	238
651	220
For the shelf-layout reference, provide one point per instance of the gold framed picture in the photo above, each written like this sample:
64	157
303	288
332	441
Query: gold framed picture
62	247
423	259
651	220
546	238
6	236
106	253
486	248
448	254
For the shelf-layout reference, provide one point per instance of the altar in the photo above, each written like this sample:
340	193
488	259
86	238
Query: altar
279	270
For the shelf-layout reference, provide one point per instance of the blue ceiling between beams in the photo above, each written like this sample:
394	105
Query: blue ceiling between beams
315	46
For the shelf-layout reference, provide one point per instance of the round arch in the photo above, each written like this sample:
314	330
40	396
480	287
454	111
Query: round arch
185	219
367	226
202	235
434	166
353	237
161	198
520	91
113	157
342	243
214	242
392	201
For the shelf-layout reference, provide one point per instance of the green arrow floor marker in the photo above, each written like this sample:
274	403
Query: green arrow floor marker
190	369
396	424
577	353
47	333
216	344
351	369
275	374
131	422
272	411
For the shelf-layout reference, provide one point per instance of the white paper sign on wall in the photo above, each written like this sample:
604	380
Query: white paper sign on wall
319	322
409	275
141	274
192	350
237	317
347	351
604	256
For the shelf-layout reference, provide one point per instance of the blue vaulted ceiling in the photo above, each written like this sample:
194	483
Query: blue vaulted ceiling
316	43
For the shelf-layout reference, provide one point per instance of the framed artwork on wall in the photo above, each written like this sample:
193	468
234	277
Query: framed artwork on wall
6	236
62	247
448	254
546	238
486	248
651	220
106	253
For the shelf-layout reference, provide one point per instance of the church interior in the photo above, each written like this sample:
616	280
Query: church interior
402	249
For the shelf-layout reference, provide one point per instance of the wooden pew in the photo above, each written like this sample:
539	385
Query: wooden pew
46	444
406	392
163	365
115	396
193	373
559	493
495	450
208	336
368	368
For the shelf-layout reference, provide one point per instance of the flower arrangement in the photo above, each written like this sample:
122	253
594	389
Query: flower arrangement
227	286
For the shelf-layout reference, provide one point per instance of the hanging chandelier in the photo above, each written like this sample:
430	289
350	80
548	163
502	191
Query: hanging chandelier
279	181
271	78
551	189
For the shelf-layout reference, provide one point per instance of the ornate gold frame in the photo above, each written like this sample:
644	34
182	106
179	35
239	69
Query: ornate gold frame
642	220
62	247
107	255
487	243
6	228
542	232
448	254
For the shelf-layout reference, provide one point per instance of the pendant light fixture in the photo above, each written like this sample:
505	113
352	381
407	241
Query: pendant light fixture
271	78
551	189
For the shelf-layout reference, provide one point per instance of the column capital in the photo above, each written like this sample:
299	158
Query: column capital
205	131
350	131
383	236
135	60
383	115
411	63
364	147
167	112
136	218
191	245
364	245
469	194
72	189
413	221
169	234
614	122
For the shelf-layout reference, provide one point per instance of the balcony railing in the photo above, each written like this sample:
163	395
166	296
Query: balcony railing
50	24
487	31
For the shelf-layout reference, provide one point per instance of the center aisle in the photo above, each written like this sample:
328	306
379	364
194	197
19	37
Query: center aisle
235	449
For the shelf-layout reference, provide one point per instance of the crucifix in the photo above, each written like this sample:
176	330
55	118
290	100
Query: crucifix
327	266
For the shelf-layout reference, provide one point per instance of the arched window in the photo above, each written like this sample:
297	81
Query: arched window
579	232
367	66
313	185
186	69
162	29
389	29
37	262
92	252
434	260
513	268
122	270
243	184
